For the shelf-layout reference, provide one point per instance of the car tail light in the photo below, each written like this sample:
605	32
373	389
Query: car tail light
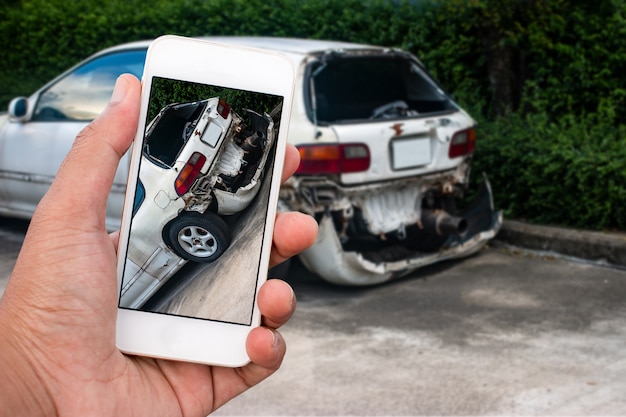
333	159
189	173
223	109
463	142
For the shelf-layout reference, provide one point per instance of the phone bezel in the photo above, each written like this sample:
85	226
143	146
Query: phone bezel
225	65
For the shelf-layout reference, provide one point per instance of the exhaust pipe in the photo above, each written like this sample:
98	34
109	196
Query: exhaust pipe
442	223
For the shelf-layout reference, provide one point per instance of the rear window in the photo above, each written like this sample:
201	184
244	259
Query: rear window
357	88
171	130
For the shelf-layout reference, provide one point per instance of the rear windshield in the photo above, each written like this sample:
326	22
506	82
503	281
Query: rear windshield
357	88
171	130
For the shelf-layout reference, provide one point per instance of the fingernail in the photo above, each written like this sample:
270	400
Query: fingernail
274	338
293	300
119	91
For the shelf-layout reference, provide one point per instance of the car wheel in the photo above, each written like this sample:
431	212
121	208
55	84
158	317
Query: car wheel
199	237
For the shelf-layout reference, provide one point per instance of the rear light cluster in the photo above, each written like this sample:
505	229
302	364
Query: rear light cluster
223	109
189	173
333	159
463	143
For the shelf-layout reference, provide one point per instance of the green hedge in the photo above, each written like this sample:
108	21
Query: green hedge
543	77
40	38
571	171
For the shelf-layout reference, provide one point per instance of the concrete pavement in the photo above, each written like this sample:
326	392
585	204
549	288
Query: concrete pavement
500	333
12	233
506	332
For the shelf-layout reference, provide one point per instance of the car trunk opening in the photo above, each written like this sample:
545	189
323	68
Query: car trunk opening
350	88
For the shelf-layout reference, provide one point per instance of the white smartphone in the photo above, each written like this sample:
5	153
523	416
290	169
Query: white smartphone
201	200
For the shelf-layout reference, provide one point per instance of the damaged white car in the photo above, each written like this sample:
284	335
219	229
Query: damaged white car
386	155
201	163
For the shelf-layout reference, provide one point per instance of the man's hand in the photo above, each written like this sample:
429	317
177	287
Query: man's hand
57	316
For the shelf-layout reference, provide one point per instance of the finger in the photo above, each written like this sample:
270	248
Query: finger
115	238
277	303
86	175
266	349
292	160
293	233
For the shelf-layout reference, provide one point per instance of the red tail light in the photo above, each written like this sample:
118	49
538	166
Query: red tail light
189	173
333	159
223	109
463	143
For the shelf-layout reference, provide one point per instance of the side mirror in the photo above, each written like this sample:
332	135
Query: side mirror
18	108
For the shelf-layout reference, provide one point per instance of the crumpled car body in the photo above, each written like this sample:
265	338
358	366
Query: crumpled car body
201	163
385	162
367	257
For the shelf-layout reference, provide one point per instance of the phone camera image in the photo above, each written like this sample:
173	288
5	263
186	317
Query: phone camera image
201	201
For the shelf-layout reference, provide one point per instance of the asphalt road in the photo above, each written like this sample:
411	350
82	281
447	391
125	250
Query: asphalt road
500	333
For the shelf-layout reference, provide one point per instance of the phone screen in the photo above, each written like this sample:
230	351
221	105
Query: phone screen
201	201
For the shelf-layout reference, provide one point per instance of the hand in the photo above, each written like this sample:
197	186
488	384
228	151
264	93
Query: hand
57	316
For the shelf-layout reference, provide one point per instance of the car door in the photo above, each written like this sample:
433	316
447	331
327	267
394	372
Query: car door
32	150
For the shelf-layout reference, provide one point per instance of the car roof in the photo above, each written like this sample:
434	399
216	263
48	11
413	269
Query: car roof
291	46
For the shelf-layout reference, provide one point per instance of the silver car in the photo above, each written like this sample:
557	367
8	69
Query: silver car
39	130
386	157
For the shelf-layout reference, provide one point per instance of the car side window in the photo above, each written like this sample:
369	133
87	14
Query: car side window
84	93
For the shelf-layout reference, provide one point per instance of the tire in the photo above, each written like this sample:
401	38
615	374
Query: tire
198	237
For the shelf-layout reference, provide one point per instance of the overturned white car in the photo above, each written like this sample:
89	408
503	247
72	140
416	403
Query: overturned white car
201	163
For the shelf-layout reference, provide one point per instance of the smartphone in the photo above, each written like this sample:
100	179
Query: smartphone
201	199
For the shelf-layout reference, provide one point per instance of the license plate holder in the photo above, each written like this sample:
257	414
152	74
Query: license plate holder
409	153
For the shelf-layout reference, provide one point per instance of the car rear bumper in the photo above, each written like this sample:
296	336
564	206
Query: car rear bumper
328	259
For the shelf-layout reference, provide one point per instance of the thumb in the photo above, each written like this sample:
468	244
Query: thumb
83	182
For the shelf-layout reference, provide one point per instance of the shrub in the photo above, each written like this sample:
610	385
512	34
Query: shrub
543	77
569	171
